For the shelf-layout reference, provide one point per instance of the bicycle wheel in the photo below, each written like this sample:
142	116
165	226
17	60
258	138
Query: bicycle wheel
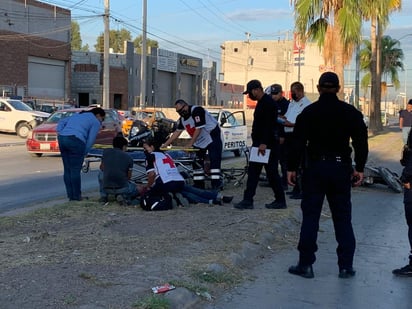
391	179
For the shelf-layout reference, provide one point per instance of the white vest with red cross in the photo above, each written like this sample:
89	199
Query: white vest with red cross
207	124
166	168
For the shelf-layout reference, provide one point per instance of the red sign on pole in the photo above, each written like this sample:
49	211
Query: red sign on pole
298	46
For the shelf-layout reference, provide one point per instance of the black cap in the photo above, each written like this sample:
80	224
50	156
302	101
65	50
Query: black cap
275	89
253	84
329	80
410	101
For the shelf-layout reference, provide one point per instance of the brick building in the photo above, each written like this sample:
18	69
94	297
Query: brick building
34	49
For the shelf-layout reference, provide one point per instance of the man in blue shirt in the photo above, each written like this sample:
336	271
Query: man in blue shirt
76	136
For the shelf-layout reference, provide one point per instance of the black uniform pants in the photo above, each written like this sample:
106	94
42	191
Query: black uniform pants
333	180
214	150
407	200
272	174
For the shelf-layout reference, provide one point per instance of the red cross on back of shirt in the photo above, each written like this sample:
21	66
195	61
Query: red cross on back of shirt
168	160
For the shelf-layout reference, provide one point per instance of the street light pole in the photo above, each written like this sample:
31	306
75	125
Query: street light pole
402	37
143	57
106	55
406	72
248	61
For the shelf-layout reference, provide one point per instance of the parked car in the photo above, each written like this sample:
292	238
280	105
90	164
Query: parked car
17	117
126	119
233	127
149	115
43	139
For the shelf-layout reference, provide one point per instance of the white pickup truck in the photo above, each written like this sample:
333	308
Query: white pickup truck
17	117
233	128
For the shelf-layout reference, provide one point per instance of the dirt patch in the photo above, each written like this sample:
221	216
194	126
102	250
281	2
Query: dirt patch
82	255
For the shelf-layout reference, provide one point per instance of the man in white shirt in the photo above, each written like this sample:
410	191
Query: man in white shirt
296	106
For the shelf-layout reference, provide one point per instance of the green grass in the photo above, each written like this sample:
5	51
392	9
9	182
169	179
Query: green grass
152	302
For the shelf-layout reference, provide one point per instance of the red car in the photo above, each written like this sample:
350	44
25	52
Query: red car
43	138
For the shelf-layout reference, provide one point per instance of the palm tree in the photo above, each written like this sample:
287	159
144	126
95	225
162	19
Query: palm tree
333	26
391	55
336	26
377	11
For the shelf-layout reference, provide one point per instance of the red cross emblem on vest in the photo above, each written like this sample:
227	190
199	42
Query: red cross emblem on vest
190	130
168	160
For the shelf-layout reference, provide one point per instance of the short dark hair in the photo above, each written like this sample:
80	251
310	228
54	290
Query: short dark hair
98	111
298	86
181	101
153	141
119	142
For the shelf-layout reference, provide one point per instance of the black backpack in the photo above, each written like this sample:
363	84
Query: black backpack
155	202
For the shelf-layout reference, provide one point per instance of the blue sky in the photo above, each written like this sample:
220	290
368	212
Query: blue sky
199	27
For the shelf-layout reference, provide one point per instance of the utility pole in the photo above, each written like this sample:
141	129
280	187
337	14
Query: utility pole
106	55
249	63
143	57
357	69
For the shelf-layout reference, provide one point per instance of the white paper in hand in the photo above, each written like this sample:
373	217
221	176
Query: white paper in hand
255	156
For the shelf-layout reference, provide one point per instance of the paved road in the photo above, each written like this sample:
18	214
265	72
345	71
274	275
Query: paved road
31	181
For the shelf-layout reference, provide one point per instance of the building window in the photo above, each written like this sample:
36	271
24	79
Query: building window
235	49
265	49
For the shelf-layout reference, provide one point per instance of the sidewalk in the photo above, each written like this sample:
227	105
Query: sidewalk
382	245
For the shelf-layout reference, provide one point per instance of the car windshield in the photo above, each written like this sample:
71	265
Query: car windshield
142	115
214	114
54	118
19	105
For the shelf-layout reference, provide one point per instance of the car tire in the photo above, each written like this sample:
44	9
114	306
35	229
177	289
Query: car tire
237	152
23	130
37	155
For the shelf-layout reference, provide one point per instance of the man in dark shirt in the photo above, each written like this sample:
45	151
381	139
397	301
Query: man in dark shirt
276	92
264	137
116	170
405	121
325	141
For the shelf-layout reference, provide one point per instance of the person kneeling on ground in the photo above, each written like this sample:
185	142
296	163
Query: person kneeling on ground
115	173
164	178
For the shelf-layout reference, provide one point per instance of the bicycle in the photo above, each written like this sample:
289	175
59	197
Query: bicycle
382	175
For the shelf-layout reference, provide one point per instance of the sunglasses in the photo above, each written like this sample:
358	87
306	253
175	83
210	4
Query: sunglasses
179	111
275	93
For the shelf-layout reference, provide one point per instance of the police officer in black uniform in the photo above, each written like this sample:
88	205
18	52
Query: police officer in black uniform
264	136
323	132
276	92
406	178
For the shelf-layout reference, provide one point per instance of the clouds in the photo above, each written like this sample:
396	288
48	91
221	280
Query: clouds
258	15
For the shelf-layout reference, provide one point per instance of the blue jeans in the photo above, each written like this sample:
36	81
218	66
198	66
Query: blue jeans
196	195
405	133
72	151
129	192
